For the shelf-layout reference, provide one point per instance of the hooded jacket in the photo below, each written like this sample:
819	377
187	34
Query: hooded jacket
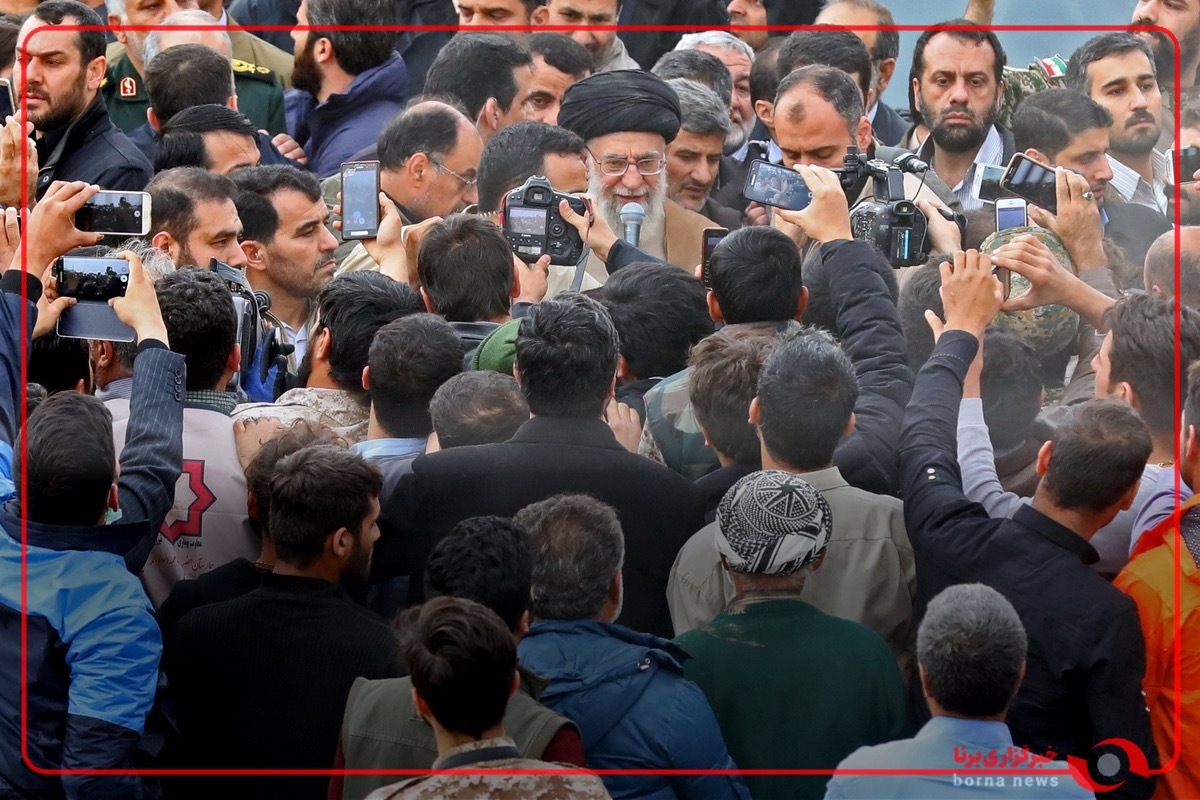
333	131
92	645
626	692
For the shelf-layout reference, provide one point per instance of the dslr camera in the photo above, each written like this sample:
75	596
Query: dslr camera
534	227
888	221
252	310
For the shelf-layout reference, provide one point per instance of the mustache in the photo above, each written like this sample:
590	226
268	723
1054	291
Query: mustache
1141	116
959	109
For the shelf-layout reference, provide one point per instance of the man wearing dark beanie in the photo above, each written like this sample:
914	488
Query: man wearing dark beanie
627	117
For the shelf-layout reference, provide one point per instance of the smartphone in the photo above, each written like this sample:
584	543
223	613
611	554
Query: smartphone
92	282
986	186
774	185
1189	162
8	97
1035	182
711	238
1011	212
115	214
360	200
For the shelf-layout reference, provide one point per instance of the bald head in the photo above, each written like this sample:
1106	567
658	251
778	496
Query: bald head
1160	266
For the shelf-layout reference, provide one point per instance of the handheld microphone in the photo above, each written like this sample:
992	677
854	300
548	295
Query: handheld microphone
632	216
905	160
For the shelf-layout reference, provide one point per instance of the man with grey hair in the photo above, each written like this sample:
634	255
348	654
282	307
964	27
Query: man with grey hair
694	157
738	58
884	48
624	689
257	94
125	90
971	650
821	686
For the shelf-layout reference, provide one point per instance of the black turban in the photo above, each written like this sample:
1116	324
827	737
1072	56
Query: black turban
619	101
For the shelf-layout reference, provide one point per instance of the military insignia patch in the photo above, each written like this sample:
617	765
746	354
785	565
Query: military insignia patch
127	87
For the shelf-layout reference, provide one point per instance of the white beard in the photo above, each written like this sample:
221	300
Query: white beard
739	134
653	227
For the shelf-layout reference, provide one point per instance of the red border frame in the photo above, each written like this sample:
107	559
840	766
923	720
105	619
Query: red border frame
1177	728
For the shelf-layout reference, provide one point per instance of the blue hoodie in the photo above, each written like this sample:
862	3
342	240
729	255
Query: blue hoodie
635	710
333	131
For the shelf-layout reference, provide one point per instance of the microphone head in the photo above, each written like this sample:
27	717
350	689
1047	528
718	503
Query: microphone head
632	212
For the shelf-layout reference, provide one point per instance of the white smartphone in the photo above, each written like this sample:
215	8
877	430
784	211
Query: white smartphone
986	186
115	214
1011	212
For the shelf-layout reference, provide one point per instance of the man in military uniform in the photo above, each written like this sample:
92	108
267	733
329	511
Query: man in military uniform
260	96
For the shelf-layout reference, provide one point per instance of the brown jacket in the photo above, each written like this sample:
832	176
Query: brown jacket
682	243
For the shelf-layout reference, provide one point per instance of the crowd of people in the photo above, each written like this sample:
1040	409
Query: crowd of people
856	490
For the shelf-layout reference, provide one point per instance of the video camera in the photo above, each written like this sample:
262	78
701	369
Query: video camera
889	221
254	330
534	227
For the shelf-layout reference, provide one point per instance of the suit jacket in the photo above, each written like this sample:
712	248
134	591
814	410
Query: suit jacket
658	509
889	127
1133	228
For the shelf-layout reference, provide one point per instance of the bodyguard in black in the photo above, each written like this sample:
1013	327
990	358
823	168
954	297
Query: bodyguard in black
76	141
566	362
1086	655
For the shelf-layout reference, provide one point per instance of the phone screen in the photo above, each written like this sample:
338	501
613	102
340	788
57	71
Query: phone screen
1010	216
712	238
95	280
773	185
120	213
987	183
1028	179
1189	162
360	200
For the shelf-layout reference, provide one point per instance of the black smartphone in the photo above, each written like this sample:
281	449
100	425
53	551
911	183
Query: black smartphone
1035	182
712	238
8	102
1189	163
360	200
774	185
92	282
115	214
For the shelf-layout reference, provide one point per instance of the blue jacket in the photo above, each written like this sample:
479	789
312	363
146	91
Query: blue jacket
333	131
626	692
93	646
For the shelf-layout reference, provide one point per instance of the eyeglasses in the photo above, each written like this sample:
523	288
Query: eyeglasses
467	182
616	166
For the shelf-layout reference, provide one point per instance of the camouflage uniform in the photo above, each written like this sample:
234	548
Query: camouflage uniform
260	97
495	787
1045	73
334	408
672	434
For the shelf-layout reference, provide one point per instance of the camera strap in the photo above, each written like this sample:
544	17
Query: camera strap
581	268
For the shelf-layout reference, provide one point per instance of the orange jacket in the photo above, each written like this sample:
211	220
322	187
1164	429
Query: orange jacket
1149	580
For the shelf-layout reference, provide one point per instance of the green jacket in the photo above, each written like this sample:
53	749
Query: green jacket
794	688
382	730
260	97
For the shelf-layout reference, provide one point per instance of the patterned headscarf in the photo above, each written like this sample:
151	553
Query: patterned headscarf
772	523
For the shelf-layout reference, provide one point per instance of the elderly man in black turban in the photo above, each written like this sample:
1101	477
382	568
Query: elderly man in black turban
627	118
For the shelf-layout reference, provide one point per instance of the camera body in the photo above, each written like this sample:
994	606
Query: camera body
535	228
896	228
250	307
888	221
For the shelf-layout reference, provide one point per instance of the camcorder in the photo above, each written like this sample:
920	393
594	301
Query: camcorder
534	227
888	220
255	333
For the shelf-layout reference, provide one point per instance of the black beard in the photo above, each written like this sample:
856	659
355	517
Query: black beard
306	76
960	139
